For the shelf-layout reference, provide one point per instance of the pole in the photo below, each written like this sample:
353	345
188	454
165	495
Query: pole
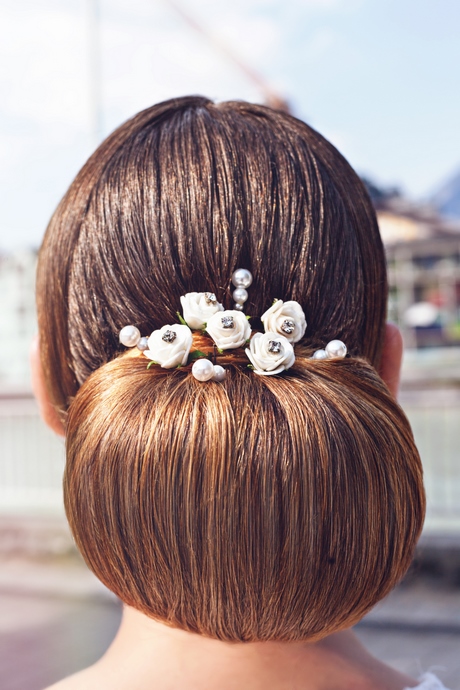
95	72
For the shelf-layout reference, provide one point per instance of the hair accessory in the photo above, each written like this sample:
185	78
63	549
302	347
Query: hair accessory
229	329
269	353
203	370
286	319
219	373
198	307
210	298
335	349
170	346
129	336
169	336
143	344
241	279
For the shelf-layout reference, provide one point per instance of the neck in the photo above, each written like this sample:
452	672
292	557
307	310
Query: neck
146	653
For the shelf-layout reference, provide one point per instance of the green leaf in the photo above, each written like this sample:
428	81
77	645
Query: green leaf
275	300
181	319
250	366
150	364
248	317
197	354
248	341
220	351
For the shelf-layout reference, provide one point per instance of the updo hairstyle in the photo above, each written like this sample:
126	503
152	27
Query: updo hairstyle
260	508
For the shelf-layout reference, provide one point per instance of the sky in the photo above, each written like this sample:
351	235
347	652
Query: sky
379	78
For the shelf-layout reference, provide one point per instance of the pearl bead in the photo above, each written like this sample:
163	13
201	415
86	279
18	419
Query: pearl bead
320	354
219	373
336	349
238	307
240	295
143	344
203	370
242	278
130	336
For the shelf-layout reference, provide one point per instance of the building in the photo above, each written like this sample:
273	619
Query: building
18	322
423	253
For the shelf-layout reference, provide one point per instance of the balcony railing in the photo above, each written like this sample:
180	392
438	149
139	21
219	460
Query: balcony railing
32	458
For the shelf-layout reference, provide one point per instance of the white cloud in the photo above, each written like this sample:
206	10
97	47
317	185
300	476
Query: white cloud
148	54
42	73
317	53
321	43
163	56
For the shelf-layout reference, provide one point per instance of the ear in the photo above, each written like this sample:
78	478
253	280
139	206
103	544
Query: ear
390	366
47	410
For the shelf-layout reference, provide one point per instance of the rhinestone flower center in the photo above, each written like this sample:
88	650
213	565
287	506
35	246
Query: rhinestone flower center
288	326
210	298
274	346
169	336
227	322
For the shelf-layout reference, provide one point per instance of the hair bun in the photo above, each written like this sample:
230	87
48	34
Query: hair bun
267	508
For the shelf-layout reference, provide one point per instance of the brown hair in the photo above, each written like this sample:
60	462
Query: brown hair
262	507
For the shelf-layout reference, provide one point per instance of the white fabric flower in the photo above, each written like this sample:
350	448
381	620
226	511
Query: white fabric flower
286	319
170	346
198	307
229	329
270	353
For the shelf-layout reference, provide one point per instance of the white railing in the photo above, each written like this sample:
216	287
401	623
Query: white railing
31	461
32	458
435	419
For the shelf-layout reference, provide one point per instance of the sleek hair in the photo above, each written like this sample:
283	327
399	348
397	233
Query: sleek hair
259	508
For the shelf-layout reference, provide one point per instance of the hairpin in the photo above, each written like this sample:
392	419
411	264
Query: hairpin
269	353
241	279
130	336
335	349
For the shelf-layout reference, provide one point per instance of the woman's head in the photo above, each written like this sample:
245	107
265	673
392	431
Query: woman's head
262	507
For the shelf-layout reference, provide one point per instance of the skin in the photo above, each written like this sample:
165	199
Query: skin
148	655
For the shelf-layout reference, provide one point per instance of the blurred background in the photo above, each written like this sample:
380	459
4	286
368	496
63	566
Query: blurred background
381	81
